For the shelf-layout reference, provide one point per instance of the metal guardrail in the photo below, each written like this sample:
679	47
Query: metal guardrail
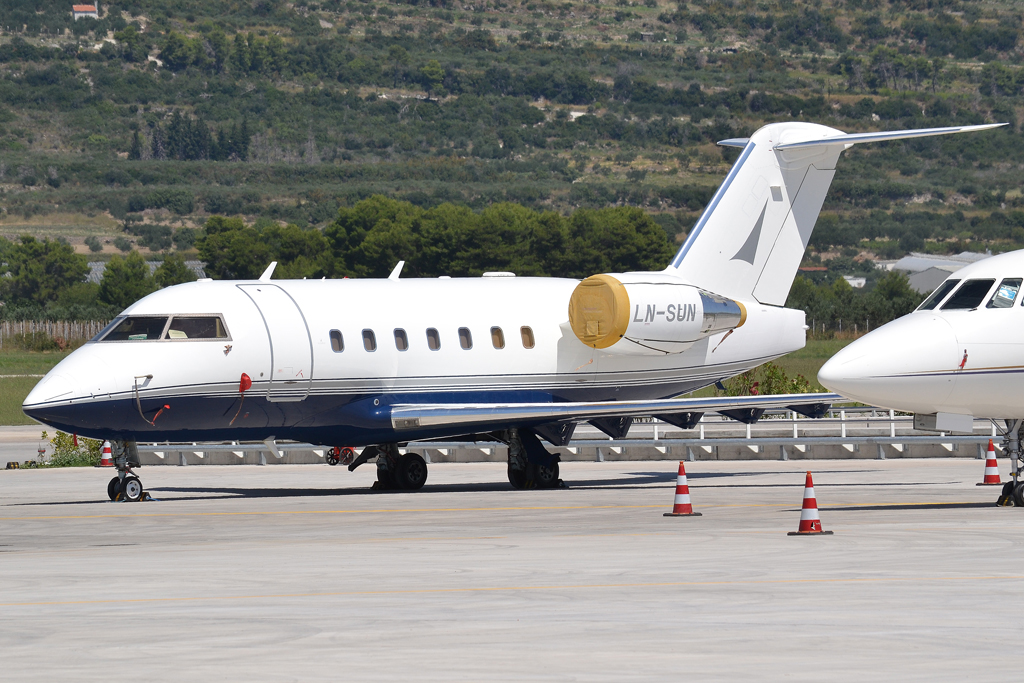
842	420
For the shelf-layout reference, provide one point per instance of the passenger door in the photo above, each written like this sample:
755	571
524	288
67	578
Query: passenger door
291	349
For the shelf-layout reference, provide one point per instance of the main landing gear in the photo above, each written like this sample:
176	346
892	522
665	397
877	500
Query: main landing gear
126	485
530	465
1013	491
395	472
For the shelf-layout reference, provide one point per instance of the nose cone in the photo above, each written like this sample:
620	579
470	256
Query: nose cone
53	387
908	364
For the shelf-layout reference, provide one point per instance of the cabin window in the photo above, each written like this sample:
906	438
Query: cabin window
433	339
337	341
138	328
969	296
497	338
938	295
369	340
465	338
527	335
401	340
196	327
1006	293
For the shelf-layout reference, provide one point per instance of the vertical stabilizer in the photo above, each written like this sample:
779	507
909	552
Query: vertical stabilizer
751	237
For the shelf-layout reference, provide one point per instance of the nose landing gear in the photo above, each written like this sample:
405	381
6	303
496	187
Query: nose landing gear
1013	491
126	485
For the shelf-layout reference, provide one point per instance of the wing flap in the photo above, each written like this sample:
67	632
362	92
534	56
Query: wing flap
420	416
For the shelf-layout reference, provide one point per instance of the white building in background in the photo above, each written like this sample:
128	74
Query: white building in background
926	271
85	12
855	282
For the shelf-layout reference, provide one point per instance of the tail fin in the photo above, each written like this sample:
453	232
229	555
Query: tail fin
751	237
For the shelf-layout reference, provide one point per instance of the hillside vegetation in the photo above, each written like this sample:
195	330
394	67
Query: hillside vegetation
132	131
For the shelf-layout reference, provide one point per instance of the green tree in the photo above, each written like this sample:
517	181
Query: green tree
173	271
126	280
233	250
399	57
37	271
433	77
178	52
135	151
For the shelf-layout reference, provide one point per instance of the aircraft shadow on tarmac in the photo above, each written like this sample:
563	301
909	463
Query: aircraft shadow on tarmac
632	480
907	506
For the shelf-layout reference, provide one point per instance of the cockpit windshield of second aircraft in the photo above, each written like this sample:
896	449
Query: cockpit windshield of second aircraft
970	295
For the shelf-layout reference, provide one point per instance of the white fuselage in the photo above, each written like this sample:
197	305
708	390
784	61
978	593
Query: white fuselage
949	359
280	335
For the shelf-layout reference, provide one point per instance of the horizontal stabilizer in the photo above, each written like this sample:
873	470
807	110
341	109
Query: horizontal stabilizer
853	138
425	416
748	243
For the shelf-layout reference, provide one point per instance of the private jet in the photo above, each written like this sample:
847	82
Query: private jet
377	363
959	356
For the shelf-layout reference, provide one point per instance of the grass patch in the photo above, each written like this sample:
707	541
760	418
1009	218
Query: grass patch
13	390
29	362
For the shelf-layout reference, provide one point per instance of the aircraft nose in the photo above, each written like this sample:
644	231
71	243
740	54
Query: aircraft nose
908	364
50	388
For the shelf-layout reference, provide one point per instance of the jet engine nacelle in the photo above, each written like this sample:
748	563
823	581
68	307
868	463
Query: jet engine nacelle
648	313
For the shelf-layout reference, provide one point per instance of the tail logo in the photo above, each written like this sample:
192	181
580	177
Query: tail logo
748	252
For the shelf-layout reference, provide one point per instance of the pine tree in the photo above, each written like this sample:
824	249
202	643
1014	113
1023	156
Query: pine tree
135	152
159	144
244	137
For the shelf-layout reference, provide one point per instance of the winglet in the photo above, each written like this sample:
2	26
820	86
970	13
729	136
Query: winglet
268	272
397	271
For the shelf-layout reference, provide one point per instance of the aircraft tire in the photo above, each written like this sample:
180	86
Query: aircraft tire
131	488
517	478
1018	495
114	487
543	477
384	480
412	472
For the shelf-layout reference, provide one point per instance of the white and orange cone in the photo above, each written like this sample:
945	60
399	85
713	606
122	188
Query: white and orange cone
810	523
991	468
106	460
682	507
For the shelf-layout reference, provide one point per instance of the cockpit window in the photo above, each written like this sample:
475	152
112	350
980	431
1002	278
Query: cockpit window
137	328
111	325
970	295
1005	294
197	327
938	295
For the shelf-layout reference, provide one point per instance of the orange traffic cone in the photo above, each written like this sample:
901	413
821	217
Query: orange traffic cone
991	468
681	506
106	460
810	523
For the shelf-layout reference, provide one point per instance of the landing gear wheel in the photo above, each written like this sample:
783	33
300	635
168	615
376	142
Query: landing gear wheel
543	477
384	480
1006	495
333	457
412	472
517	478
114	487
1018	495
131	489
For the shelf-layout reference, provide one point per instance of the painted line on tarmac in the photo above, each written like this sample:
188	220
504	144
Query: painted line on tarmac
511	589
337	512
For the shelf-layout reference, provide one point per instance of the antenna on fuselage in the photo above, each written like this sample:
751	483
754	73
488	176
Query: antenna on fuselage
268	272
397	271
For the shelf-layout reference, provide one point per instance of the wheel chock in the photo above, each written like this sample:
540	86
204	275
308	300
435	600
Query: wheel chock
12	465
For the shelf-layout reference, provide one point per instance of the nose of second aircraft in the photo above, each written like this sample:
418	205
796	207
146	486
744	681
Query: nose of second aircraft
908	364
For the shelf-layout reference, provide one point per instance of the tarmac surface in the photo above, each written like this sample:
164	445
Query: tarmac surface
299	573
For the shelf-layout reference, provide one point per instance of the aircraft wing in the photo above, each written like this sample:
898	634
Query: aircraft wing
419	416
